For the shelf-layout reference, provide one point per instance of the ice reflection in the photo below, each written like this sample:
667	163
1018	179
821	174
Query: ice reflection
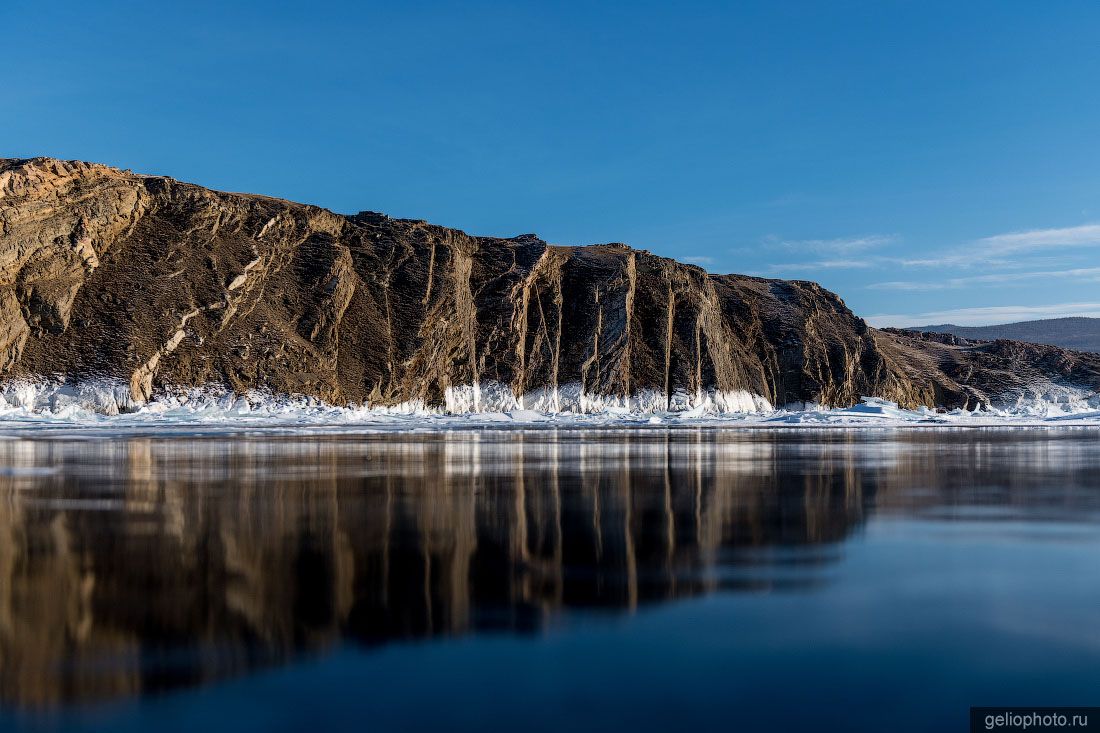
140	564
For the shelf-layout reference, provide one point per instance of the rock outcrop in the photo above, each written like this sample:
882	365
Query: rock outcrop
163	284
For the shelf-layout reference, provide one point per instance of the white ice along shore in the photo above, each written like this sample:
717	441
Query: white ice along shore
107	403
493	397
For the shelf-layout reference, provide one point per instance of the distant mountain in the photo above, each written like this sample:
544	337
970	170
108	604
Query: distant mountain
1080	334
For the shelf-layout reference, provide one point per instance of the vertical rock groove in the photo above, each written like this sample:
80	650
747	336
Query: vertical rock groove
671	309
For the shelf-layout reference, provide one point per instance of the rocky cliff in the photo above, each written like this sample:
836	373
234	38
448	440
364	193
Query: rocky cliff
106	274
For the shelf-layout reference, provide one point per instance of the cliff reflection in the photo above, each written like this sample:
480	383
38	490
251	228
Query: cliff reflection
139	565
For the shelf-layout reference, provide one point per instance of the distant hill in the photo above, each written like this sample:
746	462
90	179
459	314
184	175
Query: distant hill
1080	334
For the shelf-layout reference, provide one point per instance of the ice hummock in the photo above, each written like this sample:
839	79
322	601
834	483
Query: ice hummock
108	404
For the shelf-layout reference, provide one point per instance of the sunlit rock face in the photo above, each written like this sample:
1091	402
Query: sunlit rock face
157	283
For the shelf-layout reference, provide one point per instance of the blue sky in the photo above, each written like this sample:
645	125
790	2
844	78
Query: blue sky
929	161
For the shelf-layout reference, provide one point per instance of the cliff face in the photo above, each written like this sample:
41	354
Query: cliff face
105	273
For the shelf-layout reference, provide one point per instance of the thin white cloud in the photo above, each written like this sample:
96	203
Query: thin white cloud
835	254
907	285
1009	251
699	260
999	249
836	264
986	316
1088	274
965	258
837	246
1086	235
